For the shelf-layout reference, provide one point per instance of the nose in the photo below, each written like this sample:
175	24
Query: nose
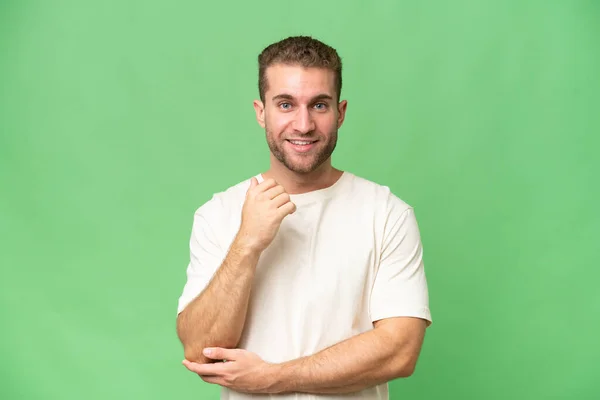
303	121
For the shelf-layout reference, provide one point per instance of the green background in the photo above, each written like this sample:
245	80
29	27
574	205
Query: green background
119	118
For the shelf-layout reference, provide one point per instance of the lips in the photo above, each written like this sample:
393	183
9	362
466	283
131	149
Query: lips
301	146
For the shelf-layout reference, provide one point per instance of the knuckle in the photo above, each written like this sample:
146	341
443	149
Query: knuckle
229	379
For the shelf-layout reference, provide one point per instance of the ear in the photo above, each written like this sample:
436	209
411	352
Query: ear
342	112
259	108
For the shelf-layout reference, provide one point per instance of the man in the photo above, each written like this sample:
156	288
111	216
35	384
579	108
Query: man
305	281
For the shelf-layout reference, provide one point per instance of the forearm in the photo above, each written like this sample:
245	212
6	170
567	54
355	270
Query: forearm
217	316
357	363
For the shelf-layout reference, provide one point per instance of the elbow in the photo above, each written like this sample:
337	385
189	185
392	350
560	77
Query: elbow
406	371
193	347
195	341
405	367
194	354
194	350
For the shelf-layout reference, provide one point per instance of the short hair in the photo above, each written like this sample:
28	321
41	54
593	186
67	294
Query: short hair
304	51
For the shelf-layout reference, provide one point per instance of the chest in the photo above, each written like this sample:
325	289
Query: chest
320	260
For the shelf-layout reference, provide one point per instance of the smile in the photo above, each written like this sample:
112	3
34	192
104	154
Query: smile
301	146
301	142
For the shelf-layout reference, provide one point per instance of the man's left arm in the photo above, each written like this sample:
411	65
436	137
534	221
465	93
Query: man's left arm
399	309
387	352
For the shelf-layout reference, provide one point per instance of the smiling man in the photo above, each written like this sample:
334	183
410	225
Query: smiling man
304	281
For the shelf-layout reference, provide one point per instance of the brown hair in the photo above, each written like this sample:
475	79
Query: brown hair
299	50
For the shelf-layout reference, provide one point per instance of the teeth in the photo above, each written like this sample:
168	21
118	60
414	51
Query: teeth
298	142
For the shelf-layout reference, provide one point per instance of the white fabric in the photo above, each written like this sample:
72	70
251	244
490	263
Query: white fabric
351	254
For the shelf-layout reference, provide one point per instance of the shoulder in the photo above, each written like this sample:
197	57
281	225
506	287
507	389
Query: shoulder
379	195
224	202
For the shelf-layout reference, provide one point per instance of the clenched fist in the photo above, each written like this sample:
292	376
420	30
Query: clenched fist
266	205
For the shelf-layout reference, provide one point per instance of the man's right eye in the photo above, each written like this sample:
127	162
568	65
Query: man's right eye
285	106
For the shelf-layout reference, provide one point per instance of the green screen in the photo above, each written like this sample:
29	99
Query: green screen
119	118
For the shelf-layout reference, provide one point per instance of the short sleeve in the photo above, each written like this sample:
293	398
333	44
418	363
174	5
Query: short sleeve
206	256
400	287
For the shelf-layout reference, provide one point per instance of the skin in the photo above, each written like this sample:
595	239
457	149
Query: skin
201	324
300	103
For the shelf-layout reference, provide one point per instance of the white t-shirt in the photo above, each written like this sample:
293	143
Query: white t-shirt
351	254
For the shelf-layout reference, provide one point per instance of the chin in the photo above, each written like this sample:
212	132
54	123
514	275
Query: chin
302	171
301	168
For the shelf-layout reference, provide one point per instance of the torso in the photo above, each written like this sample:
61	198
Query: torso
313	283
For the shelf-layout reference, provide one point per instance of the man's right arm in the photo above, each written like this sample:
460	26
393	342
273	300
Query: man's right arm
217	316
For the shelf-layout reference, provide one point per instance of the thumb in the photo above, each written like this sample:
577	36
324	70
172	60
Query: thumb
219	353
253	183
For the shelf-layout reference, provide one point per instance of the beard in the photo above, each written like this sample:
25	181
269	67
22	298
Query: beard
298	162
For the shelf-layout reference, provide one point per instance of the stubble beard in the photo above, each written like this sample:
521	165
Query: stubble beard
304	168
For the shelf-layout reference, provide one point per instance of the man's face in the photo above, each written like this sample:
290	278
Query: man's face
300	115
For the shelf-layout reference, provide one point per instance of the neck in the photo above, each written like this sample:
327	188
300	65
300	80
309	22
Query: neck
298	183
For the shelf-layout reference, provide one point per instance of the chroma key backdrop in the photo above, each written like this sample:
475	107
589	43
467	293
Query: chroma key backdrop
118	119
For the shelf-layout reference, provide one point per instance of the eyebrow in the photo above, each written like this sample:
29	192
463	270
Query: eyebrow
284	96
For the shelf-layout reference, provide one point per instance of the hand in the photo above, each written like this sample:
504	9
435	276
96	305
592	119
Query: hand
243	371
266	205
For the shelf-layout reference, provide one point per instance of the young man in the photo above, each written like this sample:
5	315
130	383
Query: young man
304	281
